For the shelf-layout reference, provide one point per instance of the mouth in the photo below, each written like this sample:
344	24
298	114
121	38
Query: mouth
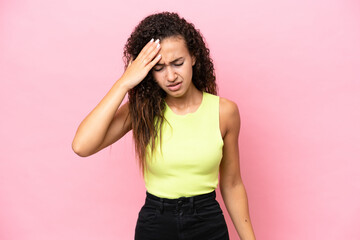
175	86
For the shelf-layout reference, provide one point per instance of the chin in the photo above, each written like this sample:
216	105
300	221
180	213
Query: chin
175	94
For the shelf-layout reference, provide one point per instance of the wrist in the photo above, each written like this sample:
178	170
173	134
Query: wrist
123	84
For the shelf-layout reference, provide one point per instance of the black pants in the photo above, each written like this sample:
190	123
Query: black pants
186	218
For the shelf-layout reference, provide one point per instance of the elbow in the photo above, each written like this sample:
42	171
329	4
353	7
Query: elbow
231	185
78	150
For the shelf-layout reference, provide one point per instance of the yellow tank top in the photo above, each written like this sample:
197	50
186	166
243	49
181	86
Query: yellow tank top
191	152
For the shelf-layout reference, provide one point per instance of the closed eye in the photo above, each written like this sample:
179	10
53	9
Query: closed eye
179	64
158	69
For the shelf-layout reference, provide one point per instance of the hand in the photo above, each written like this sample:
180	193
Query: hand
140	67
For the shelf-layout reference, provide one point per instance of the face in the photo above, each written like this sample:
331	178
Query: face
173	72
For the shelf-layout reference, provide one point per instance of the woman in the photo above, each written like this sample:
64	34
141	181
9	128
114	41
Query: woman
184	133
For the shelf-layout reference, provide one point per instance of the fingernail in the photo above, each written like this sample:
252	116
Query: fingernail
159	56
157	41
152	40
158	45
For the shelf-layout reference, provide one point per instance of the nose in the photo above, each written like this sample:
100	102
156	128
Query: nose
171	74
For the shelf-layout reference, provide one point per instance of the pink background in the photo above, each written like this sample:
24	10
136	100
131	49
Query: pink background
293	68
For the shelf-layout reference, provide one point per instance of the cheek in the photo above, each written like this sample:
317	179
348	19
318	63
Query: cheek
157	77
153	73
187	71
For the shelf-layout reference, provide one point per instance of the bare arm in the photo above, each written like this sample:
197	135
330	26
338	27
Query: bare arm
107	123
104	122
231	185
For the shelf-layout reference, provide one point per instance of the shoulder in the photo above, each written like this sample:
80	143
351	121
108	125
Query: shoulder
228	108
229	114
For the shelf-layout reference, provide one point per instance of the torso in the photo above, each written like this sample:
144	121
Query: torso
192	149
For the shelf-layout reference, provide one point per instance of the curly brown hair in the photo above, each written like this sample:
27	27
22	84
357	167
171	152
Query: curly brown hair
146	100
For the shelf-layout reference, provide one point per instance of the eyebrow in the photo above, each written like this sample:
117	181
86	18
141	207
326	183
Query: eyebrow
158	64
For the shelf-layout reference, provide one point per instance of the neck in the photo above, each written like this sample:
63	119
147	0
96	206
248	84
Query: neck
186	103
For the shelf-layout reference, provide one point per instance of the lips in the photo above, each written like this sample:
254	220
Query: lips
172	85
175	86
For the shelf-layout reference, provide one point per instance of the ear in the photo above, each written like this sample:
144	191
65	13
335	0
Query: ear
193	60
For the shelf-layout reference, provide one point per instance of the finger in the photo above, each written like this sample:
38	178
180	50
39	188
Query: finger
153	62
150	52
145	49
153	51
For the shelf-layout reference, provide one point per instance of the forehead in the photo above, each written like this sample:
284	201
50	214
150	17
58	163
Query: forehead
173	48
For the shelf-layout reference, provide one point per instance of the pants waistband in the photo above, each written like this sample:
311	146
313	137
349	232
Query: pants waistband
178	202
182	199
